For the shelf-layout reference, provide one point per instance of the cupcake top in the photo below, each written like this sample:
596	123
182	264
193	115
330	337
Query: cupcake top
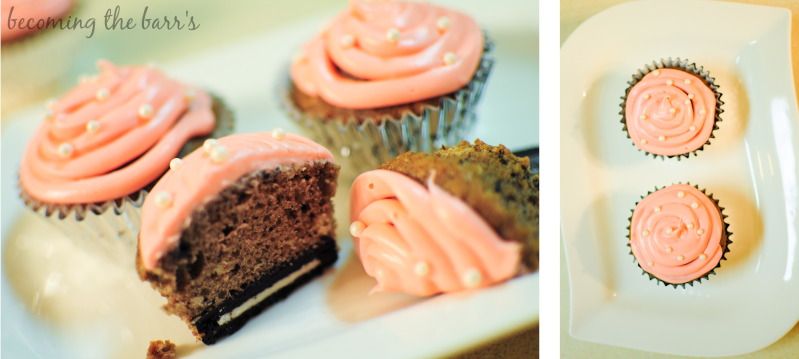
112	135
677	234
460	218
204	173
30	13
670	112
385	53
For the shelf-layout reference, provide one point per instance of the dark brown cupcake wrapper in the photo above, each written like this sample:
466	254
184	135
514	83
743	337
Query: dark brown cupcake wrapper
115	222
364	145
707	275
678	64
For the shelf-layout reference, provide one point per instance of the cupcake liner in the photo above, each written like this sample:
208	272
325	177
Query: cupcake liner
364	145
707	275
111	228
29	71
678	64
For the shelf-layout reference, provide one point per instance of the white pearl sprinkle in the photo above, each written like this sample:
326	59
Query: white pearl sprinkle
687	82
691	96
92	126
680	257
668	230
646	232
421	268
175	163
656	72
347	40
692	128
700	231
661	138
393	34
687	102
672	110
657	209
146	111
669	249
472	278
345	151
208	145
356	228
644	141
219	154
669	82
694	205
65	150
702	256
102	94
690	225
647	96
443	23
450	58
163	199
278	134
680	194
643	117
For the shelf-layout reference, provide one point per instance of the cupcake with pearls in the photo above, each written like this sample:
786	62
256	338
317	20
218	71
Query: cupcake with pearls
671	109
387	77
678	235
103	144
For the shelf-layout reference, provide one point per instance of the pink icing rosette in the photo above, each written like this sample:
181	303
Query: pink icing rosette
379	54
678	234
422	240
671	109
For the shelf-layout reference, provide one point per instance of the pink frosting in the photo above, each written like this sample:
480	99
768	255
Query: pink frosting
399	51
422	240
35	10
201	175
112	135
670	112
676	234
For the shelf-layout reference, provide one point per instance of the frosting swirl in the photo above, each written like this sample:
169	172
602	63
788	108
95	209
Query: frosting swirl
112	135
202	174
670	112
676	234
424	241
386	53
30	12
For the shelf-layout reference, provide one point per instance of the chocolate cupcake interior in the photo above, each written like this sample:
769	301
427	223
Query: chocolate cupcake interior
249	247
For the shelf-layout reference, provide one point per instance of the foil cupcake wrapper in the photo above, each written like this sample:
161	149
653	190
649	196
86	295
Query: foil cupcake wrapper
362	146
707	275
679	64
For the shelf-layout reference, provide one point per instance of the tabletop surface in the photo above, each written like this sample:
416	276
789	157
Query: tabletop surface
572	14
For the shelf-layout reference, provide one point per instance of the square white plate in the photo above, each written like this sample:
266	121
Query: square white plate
751	167
60	302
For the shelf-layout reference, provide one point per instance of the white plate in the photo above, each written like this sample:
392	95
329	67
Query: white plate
750	166
60	302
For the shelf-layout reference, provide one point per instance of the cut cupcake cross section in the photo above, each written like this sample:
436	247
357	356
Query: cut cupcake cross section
236	226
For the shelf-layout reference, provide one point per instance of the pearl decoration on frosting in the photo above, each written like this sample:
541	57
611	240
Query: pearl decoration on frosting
644	141
421	268
661	138
92	126
345	151
646	232
102	94
443	23
656	72
356	228
219	154
450	58
700	231
669	82
647	96
278	134
672	110
687	102
392	35
694	205
687	81
347	40
65	150
643	117
680	257
651	263
690	225
146	111
669	249
680	194
175	163
657	209
472	278
208	145
163	199
692	128
702	256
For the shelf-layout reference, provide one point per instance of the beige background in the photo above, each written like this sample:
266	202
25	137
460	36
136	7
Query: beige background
572	14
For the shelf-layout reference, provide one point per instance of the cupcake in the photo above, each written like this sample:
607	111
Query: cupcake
678	235
28	47
104	143
236	226
388	77
461	218
671	109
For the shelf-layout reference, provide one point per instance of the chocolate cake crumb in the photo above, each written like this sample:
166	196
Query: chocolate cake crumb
258	230
161	349
491	179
